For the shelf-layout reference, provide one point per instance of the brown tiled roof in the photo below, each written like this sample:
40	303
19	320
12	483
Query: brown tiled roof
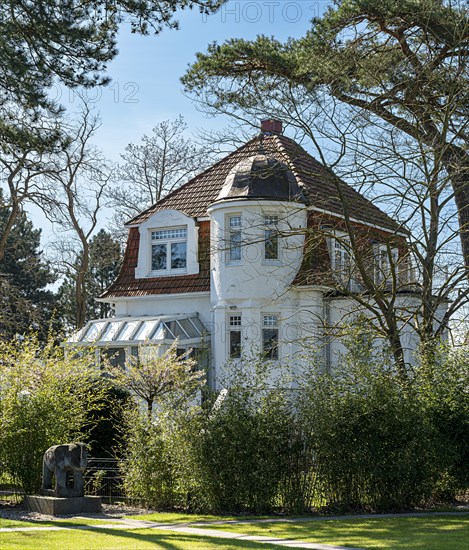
321	188
127	285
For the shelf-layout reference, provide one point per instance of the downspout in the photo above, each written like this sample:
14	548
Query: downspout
327	338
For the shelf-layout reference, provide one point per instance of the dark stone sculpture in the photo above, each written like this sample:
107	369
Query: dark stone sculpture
66	463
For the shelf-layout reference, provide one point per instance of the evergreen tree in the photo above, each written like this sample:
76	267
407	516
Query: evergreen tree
401	63
25	301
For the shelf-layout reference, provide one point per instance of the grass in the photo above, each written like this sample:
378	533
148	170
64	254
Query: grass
117	539
412	533
170	517
52	523
409	533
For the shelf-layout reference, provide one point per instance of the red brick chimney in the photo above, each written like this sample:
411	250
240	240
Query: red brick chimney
271	126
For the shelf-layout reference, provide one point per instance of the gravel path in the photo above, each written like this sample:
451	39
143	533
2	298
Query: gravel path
17	512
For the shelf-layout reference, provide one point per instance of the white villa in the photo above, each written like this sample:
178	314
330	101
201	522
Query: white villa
250	255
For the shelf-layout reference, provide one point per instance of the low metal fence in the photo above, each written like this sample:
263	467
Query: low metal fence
103	478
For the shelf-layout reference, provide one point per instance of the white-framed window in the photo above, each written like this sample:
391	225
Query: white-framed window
271	240
341	257
234	336
169	249
385	261
233	254
270	341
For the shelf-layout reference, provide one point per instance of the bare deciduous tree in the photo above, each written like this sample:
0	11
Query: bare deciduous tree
81	177
153	168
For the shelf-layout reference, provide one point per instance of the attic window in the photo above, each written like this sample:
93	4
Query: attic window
169	249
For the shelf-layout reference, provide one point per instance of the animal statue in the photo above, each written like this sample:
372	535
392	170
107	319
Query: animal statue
60	461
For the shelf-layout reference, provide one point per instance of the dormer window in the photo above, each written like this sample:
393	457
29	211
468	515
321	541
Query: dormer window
385	262
342	262
169	249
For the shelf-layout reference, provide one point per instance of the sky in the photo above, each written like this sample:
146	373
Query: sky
145	88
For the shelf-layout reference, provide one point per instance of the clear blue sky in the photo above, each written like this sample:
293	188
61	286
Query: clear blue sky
146	88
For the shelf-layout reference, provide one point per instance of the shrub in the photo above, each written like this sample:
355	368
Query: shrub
232	453
371	443
45	399
441	385
146	464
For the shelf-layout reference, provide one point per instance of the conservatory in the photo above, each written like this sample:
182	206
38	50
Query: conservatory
120	338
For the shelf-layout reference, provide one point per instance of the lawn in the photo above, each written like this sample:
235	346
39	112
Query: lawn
171	517
117	539
54	523
410	533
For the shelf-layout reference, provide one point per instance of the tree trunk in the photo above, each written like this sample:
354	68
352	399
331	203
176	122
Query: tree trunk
456	162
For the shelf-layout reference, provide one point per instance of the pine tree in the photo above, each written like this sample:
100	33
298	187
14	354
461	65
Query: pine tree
25	302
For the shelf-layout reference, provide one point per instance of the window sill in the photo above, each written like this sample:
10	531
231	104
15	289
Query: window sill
165	273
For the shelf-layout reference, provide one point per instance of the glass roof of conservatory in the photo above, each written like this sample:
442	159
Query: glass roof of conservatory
188	329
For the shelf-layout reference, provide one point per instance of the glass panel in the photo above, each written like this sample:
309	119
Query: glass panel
178	233
270	343
198	325
270	320
111	331
235	344
161	333
158	256
176	329
235	221
235	246
145	329
189	328
93	331
235	320
271	244
127	330
178	255
271	220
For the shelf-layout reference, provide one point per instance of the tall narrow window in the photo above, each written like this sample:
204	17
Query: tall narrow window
270	336
385	262
169	249
342	259
234	245
271	238
235	336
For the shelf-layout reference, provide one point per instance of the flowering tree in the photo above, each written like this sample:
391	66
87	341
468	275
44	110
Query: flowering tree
153	376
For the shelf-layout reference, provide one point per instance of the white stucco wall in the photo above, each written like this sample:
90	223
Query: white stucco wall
345	310
169	304
254	286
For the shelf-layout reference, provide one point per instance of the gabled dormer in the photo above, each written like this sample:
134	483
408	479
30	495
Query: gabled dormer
169	242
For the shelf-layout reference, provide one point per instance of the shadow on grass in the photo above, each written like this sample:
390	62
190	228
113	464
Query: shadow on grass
82	537
411	533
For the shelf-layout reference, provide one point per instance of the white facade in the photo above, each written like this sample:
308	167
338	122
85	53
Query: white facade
223	253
